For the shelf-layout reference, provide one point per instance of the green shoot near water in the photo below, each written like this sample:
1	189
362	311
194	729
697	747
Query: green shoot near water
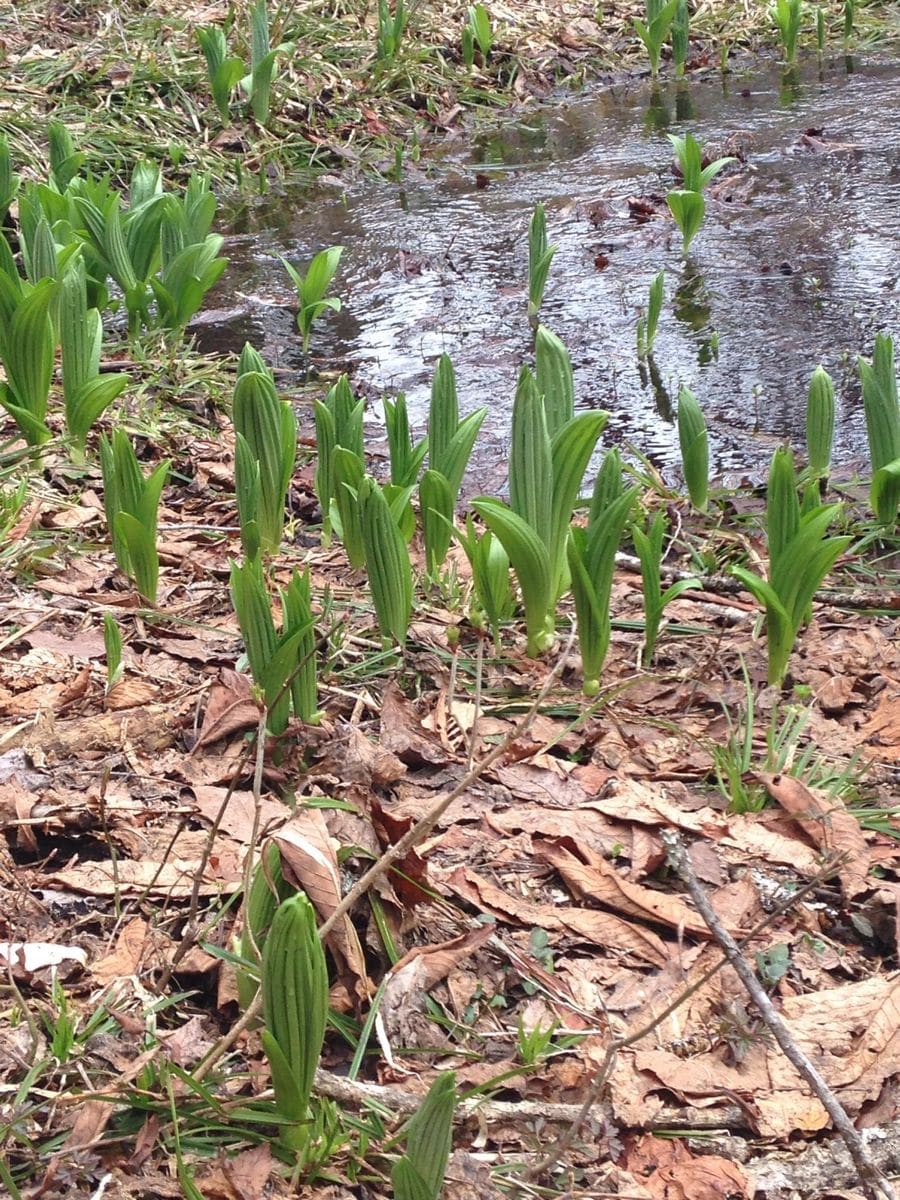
224	72
450	441
688	208
295	1011
131	503
391	27
689	154
787	14
646	326
879	388
545	477
681	31
282	664
694	443
311	289
540	256
592	563
654	31
800	556
265	450
649	546
477	31
820	422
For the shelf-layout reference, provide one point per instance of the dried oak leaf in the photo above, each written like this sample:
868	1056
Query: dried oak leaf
830	826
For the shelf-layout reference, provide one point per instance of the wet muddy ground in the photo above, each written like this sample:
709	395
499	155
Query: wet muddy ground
798	261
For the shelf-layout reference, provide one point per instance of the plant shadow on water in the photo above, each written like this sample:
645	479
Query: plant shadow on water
795	263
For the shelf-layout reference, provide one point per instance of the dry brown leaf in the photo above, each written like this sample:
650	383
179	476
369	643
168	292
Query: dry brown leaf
403	734
828	824
309	853
601	882
591	925
243	1177
671	1172
174	878
852	1034
230	709
137	948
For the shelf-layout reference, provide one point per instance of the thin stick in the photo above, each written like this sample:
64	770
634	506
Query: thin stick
601	1075
875	1184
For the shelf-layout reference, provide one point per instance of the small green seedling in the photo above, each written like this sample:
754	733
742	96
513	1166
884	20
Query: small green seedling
540	256
419	1173
800	556
689	153
477	32
688	208
649	546
311	289
223	72
112	643
646	326
391	27
131	503
786	14
654	31
694	443
820	422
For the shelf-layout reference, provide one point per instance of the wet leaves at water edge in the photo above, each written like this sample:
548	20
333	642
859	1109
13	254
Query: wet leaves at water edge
540	899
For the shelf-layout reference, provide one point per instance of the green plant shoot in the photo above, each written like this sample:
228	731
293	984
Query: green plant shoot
820	422
879	388
311	289
131	503
800	556
688	208
786	14
649	546
647	326
540	256
694	443
654	31
295	1011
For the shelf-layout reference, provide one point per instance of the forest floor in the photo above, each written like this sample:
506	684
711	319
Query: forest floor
536	938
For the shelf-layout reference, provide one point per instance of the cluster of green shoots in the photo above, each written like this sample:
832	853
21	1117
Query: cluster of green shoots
665	17
226	72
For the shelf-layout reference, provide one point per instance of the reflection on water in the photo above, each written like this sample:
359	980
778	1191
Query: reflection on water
797	262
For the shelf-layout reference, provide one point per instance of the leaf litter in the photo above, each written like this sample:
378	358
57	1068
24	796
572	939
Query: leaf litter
542	897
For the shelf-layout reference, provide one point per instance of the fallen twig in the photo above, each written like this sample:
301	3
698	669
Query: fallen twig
874	1182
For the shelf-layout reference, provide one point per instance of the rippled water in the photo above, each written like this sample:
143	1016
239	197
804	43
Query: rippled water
798	262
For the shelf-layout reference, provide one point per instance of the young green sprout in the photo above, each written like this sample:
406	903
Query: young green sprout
654	31
311	289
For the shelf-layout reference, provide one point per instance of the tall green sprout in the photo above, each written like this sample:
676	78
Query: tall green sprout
295	1012
800	556
545	476
265	451
681	36
86	392
27	346
540	256
879	388
820	422
654	31
450	442
131	503
694	443
787	14
592	563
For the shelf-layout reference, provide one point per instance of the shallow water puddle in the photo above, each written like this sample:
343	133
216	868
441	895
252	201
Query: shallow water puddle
798	262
